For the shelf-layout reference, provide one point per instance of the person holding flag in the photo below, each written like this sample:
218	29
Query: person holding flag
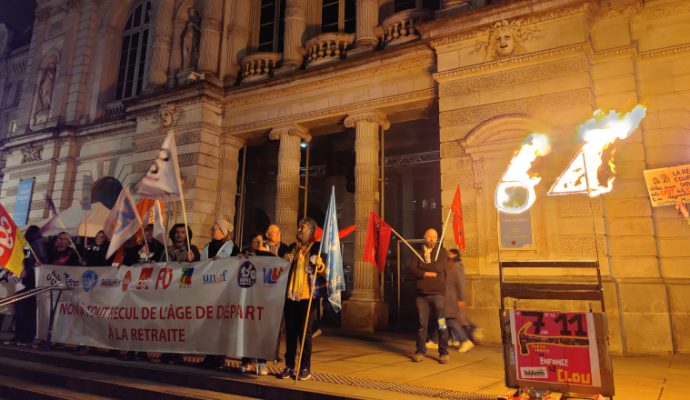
61	253
122	222
306	280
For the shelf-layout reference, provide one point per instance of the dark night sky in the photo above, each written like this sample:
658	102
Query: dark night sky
18	16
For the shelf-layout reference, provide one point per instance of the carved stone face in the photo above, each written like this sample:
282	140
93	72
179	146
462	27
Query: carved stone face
505	42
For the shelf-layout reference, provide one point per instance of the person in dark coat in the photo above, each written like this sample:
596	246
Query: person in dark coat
61	253
431	286
25	310
96	252
455	284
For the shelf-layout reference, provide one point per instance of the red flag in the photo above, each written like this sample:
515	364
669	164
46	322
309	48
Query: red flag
458	223
377	241
11	244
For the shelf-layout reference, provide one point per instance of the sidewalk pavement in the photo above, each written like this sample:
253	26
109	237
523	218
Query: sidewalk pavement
379	366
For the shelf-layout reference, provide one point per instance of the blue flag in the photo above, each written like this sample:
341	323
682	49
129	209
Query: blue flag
330	245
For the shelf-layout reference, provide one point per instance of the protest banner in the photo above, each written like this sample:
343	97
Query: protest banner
227	307
555	347
667	185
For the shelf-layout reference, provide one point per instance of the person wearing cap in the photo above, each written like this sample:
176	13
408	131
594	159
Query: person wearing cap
221	244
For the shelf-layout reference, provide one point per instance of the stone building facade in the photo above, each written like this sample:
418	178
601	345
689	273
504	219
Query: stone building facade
98	75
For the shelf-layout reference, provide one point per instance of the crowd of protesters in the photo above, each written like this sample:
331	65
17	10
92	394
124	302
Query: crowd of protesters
63	250
439	276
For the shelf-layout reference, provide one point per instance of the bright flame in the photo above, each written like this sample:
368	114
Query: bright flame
515	191
593	171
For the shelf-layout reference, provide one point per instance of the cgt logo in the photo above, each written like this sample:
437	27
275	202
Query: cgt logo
246	276
89	280
272	275
141	283
186	277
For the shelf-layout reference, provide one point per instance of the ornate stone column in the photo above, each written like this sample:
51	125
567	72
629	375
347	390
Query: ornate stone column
367	20
162	43
287	194
227	177
365	310
237	37
210	36
295	24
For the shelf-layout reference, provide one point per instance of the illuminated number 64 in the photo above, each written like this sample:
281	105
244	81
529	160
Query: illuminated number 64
591	171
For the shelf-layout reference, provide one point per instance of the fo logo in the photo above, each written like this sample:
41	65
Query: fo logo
89	280
246	277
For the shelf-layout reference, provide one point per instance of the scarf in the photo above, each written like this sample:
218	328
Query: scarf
299	275
213	247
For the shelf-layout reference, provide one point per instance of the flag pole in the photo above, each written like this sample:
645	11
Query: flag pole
327	229
165	227
407	243
176	166
306	317
443	234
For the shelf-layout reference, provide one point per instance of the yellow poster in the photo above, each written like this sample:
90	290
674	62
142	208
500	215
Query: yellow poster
667	185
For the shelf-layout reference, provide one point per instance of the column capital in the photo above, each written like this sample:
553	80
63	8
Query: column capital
232	141
374	116
291	129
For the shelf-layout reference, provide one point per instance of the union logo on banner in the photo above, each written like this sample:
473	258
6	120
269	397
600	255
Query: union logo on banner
89	280
272	275
186	277
246	276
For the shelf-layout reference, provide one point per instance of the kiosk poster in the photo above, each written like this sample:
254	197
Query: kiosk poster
555	347
667	185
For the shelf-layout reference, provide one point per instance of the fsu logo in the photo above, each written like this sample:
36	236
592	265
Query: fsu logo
246	277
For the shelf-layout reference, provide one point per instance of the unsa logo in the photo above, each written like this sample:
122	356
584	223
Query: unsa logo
89	280
246	277
272	275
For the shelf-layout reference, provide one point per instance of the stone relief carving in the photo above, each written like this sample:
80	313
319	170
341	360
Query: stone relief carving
45	87
32	152
505	39
167	115
190	40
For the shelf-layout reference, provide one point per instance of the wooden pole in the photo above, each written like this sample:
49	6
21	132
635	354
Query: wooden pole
443	234
306	318
407	243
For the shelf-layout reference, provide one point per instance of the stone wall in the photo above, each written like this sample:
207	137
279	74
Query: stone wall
565	60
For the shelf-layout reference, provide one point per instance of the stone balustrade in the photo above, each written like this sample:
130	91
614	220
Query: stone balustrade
114	109
328	47
401	27
257	66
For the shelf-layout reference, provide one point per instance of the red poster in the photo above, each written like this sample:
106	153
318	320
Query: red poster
555	347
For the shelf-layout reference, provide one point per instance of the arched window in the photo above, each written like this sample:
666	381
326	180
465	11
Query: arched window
407	4
338	16
133	56
272	26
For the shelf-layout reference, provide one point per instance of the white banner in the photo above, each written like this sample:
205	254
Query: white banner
227	307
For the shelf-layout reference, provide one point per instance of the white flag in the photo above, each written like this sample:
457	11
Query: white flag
158	225
122	223
162	181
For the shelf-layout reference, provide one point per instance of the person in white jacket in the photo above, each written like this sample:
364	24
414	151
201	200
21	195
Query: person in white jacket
221	244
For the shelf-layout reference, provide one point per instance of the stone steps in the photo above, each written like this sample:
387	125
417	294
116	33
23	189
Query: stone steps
47	374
